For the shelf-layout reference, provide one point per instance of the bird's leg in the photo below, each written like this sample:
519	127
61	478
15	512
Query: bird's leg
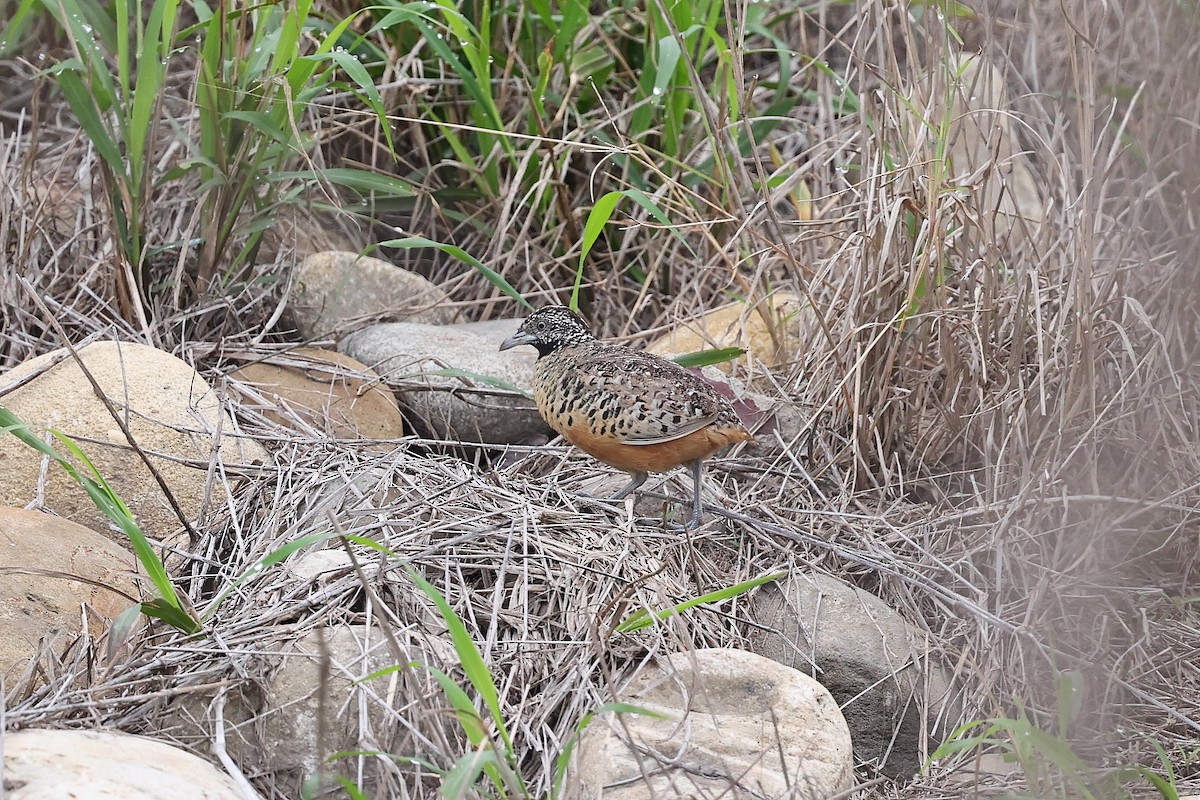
638	478
697	503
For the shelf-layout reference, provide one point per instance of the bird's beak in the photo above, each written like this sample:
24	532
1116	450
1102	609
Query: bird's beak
518	338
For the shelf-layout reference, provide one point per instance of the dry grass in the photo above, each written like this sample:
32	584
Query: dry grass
1000	433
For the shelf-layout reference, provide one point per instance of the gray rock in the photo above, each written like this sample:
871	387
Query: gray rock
732	724
465	405
335	291
868	657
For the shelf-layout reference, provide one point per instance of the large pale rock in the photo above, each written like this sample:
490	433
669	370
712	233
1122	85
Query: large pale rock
336	291
733	724
769	331
322	390
33	605
106	765
467	408
869	658
170	410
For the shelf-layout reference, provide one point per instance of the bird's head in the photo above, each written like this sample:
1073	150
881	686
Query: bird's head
550	328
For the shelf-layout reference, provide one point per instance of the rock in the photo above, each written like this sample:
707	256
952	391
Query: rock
316	566
464	408
337	291
494	329
354	716
106	765
323	390
733	724
868	657
171	411
983	151
770	331
33	606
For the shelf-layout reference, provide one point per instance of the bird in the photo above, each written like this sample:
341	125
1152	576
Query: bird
630	409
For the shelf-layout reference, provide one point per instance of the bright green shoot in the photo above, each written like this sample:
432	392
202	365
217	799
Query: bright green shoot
168	607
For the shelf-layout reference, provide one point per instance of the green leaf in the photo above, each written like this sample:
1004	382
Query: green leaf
461	778
468	654
644	619
495	278
702	358
173	615
259	566
83	102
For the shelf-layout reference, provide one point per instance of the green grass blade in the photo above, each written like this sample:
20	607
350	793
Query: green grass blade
360	180
644	619
259	566
468	653
702	358
461	778
493	277
82	101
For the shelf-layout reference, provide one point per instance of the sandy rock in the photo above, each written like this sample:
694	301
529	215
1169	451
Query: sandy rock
864	652
355	713
785	314
728	717
316	565
336	291
33	606
464	408
323	390
61	205
170	410
106	765
984	150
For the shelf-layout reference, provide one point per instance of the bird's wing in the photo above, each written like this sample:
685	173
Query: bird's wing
650	400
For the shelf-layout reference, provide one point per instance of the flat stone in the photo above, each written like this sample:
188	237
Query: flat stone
320	390
465	405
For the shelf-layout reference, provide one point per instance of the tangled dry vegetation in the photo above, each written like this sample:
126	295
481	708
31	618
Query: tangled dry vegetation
1000	433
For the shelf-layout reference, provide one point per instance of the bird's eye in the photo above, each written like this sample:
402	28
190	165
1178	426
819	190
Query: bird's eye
541	325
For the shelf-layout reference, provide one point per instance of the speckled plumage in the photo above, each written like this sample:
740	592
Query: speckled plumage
634	410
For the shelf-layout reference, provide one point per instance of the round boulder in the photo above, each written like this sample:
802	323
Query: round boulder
454	384
336	291
729	723
322	390
168	408
38	555
106	765
868	657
